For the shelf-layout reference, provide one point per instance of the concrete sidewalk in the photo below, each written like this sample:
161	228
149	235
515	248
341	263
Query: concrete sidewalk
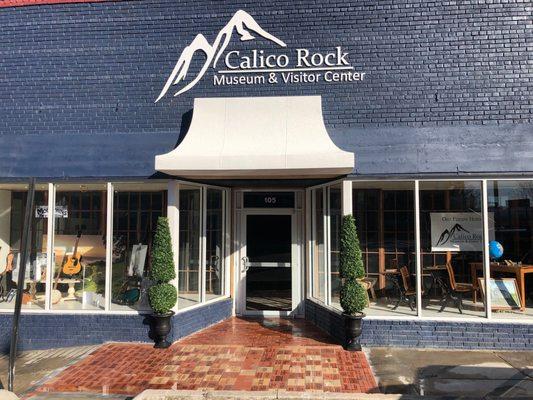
432	372
33	366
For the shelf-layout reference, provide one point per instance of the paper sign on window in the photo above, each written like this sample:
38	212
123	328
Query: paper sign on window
60	212
458	231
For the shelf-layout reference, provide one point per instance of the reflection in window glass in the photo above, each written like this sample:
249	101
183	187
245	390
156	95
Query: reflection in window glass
135	215
511	220
79	247
214	256
189	247
318	257
384	218
12	210
451	240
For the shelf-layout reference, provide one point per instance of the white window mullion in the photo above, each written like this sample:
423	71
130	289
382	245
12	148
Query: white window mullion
109	245
314	261
486	255
50	259
173	222
227	242
203	243
417	251
327	247
308	244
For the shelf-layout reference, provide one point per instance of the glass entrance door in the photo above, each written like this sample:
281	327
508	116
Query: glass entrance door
268	262
269	234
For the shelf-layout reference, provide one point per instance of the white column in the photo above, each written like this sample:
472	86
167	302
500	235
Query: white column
486	255
347	205
50	259
417	251
173	222
109	245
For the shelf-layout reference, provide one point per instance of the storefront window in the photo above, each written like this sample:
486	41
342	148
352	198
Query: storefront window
451	240
12	211
189	246
135	215
214	255
511	269
318	252
79	275
79	267
384	217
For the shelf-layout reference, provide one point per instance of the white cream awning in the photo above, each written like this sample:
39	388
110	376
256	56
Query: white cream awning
257	137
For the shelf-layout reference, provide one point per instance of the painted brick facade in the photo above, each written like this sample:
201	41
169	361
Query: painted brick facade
426	333
43	331
22	3
447	87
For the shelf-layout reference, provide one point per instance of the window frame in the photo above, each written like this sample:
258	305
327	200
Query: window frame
483	185
109	187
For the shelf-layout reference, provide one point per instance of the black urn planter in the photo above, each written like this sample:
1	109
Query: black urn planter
352	330
161	328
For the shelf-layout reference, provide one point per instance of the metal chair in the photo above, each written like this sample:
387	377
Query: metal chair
455	290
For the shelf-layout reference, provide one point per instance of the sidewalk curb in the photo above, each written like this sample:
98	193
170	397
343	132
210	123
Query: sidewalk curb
155	394
7	395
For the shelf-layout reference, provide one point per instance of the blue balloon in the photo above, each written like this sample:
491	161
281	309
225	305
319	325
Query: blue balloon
495	249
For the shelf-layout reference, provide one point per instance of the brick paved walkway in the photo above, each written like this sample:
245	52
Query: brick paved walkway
236	354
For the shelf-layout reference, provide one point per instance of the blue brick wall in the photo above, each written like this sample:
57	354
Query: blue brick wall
447	88
426	333
191	321
44	331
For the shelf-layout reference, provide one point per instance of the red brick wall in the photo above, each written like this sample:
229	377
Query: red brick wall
19	3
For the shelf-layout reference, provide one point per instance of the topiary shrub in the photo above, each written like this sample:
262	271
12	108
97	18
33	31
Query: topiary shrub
353	296
162	295
351	259
162	256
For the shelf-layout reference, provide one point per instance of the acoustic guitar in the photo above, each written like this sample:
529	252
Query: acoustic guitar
56	294
73	264
75	267
9	262
26	297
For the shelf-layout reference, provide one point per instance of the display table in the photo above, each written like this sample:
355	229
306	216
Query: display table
518	270
71	290
439	278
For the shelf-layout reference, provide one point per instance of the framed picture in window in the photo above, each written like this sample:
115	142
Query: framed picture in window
504	293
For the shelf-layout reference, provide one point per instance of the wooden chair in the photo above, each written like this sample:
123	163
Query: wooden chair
455	290
407	291
369	283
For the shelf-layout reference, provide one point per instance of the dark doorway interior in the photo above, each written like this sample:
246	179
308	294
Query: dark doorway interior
268	248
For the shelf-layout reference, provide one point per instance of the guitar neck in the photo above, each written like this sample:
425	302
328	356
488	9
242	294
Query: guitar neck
76	245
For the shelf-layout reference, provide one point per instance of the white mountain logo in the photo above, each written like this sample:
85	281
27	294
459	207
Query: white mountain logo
242	22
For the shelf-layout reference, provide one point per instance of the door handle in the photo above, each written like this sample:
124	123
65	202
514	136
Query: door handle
245	264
